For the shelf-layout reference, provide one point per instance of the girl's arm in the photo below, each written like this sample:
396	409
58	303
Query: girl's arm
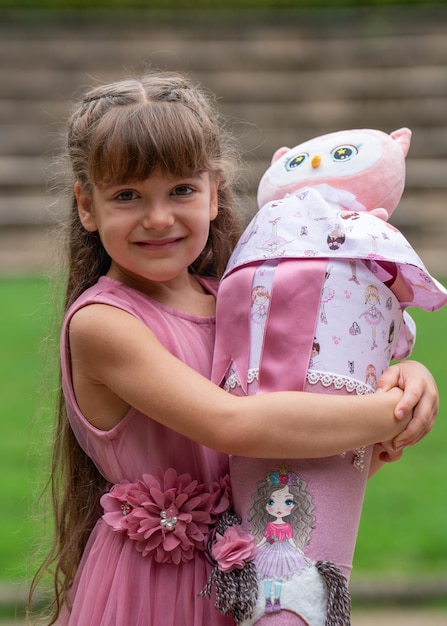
119	363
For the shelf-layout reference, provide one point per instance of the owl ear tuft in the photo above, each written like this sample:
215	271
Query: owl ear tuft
279	153
403	137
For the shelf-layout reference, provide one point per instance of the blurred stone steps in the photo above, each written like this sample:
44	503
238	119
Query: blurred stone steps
280	78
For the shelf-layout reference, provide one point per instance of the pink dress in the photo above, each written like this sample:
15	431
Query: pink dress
144	563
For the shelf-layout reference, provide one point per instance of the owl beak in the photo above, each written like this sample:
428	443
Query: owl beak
316	160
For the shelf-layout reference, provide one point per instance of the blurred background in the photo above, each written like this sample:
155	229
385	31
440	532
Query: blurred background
282	75
283	71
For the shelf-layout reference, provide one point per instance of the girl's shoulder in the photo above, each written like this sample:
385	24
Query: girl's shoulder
105	291
111	291
161	318
114	295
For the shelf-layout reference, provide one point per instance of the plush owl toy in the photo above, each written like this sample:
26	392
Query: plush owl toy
314	299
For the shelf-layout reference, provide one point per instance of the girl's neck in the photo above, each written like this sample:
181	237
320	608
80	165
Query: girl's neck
185	294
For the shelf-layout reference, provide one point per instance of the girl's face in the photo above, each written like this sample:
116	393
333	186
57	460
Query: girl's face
280	503
152	229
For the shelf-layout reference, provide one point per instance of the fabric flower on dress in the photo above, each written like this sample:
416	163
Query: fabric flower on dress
220	496
168	515
234	549
119	502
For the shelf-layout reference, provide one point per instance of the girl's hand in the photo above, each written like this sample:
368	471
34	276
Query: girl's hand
383	453
420	394
386	453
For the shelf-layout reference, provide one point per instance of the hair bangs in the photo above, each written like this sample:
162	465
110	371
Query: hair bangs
130	142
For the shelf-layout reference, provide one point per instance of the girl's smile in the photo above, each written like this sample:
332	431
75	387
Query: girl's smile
159	244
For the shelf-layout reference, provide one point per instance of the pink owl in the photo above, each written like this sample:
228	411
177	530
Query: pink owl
339	189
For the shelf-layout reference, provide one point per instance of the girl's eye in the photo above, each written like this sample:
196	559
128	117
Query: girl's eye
182	190
289	502
344	153
126	196
270	503
296	161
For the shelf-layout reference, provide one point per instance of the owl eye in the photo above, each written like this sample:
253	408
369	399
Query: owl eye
296	161
344	153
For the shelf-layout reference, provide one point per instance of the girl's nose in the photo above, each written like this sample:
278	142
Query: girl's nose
157	216
316	161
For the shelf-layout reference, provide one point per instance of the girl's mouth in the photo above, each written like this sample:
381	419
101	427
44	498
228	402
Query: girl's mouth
159	244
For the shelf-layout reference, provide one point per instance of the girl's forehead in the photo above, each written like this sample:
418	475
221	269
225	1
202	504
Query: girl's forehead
157	176
131	142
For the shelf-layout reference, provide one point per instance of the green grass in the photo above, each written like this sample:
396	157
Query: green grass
403	528
23	326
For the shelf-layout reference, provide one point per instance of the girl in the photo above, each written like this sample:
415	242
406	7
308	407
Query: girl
140	459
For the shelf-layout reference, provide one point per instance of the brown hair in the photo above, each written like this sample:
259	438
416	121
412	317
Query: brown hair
122	132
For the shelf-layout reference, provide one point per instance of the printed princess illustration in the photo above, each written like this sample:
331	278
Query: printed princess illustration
281	522
261	563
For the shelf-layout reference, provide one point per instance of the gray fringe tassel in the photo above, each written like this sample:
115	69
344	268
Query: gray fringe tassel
338	598
236	592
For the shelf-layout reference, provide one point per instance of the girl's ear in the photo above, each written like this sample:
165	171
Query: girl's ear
85	209
214	198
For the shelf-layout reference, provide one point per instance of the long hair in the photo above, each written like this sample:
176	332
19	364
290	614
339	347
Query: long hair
122	132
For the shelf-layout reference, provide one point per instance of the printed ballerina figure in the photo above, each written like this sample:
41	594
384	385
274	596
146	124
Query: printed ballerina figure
327	294
281	522
371	376
336	237
273	245
354	278
259	304
314	354
374	240
372	315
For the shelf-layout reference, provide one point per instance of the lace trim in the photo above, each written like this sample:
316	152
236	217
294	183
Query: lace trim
234	381
313	377
338	382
